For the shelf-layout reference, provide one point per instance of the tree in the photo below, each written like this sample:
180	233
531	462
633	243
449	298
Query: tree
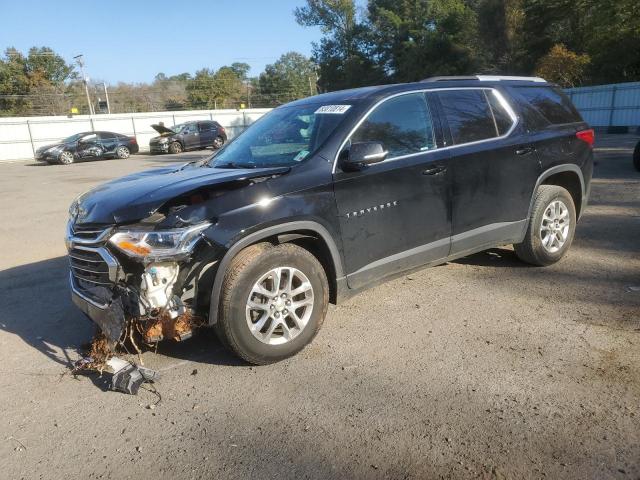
562	66
291	77
241	70
415	39
344	55
209	89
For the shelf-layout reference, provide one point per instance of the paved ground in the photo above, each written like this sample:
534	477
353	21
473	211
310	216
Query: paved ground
481	368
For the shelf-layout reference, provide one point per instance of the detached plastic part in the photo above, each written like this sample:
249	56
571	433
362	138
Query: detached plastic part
128	377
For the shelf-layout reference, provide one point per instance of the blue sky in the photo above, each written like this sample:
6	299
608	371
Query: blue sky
133	40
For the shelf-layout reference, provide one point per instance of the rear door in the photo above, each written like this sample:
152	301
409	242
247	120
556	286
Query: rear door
109	142
395	214
207	133
493	165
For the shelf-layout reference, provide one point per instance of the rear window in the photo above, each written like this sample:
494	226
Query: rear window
474	115
553	105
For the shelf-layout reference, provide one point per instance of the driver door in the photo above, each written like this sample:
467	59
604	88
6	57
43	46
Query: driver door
191	136
395	215
89	147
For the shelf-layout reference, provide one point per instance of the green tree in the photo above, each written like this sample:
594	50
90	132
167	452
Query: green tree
415	39
220	89
291	77
344	55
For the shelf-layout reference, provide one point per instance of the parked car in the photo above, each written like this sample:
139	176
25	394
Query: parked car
188	136
367	184
88	146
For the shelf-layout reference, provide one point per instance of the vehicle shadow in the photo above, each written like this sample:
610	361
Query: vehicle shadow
494	257
37	308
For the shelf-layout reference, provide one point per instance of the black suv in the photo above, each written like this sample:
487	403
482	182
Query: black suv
188	136
324	197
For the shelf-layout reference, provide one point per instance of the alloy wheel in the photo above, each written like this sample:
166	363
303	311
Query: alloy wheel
218	142
122	152
66	158
280	305
555	226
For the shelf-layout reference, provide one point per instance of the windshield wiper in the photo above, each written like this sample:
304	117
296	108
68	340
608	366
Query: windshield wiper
233	165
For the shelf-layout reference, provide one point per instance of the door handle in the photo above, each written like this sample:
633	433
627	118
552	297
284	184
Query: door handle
434	170
525	151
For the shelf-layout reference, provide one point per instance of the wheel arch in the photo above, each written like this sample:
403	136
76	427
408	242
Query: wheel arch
308	234
567	176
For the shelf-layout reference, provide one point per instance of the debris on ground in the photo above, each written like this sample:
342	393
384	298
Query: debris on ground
127	377
97	356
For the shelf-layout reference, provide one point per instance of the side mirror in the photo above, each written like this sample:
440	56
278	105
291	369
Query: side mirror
364	153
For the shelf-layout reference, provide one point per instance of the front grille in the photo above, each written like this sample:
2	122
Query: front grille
89	265
89	233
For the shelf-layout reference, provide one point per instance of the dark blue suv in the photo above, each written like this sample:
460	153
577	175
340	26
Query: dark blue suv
324	197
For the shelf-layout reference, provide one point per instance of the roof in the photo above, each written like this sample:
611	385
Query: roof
373	93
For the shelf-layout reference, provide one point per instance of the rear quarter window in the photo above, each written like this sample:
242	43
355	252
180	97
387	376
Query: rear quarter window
550	103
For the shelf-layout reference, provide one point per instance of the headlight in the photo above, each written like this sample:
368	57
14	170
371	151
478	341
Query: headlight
163	140
53	149
156	244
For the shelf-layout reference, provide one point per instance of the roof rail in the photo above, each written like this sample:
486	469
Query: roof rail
485	78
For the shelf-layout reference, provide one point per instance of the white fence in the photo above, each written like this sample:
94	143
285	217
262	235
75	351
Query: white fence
615	105
20	137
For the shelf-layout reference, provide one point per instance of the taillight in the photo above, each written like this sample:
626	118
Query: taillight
587	136
133	140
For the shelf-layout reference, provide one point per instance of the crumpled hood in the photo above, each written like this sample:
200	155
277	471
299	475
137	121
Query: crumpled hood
135	197
47	147
161	129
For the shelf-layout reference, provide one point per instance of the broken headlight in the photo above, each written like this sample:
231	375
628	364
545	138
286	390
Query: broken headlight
158	244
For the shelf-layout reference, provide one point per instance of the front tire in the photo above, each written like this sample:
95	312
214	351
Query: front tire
66	158
551	227
175	147
274	300
218	142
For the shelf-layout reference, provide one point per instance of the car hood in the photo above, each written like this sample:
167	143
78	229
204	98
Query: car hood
47	147
162	130
135	197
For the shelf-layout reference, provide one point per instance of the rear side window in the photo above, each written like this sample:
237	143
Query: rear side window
554	106
402	124
474	115
206	126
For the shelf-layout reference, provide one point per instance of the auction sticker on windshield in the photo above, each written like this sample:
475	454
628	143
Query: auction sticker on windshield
336	109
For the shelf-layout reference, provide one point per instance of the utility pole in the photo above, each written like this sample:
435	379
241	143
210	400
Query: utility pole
80	62
106	94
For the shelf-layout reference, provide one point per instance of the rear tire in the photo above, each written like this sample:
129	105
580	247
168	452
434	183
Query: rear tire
122	152
175	147
551	227
636	157
261	317
218	142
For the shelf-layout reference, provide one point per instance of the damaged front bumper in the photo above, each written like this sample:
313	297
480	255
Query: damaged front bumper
153	300
109	316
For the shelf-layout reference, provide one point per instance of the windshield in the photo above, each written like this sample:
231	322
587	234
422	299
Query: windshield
283	137
178	128
73	138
